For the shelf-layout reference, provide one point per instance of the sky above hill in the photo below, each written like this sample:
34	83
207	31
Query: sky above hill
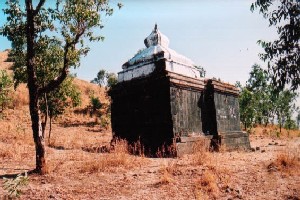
219	35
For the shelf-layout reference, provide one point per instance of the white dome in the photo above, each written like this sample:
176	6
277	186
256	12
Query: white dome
157	44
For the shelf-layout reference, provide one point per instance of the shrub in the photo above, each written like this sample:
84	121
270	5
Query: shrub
14	186
95	103
5	89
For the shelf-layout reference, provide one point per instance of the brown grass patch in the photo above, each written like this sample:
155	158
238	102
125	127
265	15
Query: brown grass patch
206	187
167	172
17	151
273	131
201	152
118	158
20	96
287	161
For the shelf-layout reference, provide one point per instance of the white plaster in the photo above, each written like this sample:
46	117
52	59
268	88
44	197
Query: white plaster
182	69
139	71
157	49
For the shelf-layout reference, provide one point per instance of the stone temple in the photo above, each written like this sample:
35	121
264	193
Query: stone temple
160	99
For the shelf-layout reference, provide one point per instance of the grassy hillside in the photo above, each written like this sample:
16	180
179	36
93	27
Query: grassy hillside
21	99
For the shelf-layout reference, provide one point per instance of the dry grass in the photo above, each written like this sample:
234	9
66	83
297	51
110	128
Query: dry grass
17	151
166	177
118	158
20	97
286	161
87	89
201	152
206	187
274	132
167	172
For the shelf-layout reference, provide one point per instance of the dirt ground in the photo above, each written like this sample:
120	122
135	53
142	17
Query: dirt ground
78	171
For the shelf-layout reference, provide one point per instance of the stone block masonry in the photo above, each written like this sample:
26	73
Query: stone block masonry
161	100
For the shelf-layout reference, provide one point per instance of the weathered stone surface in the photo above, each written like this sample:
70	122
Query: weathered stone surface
160	98
235	140
188	145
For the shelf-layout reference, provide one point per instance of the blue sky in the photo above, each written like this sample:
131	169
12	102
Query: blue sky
219	35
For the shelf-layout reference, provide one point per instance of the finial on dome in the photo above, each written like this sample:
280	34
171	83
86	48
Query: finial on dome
156	38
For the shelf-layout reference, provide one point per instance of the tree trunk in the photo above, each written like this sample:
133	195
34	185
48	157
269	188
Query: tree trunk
50	128
37	133
34	91
280	127
44	123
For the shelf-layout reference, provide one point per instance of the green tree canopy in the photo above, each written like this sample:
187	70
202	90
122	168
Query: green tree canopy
282	54
260	102
49	39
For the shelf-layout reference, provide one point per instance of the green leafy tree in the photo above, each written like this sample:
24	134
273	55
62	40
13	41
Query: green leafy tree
100	79
262	91
283	53
247	110
284	106
290	124
33	29
260	102
105	78
5	89
111	79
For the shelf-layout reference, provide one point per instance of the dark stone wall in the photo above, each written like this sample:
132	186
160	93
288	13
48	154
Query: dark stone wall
186	113
141	111
227	112
156	109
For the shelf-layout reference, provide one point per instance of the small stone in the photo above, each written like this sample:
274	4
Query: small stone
257	148
276	143
263	151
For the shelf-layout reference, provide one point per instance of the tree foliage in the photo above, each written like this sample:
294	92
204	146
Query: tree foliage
105	78
282	54
100	79
261	103
111	79
49	39
246	107
5	89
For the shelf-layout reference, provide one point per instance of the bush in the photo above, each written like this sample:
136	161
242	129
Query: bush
5	89
13	186
95	103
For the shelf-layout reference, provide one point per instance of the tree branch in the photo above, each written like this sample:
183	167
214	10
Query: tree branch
53	84
38	8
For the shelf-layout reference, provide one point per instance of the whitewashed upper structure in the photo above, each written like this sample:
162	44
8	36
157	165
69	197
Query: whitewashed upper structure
142	64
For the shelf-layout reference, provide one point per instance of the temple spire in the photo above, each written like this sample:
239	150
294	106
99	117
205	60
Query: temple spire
156	38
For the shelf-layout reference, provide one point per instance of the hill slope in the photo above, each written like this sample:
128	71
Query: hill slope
20	96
